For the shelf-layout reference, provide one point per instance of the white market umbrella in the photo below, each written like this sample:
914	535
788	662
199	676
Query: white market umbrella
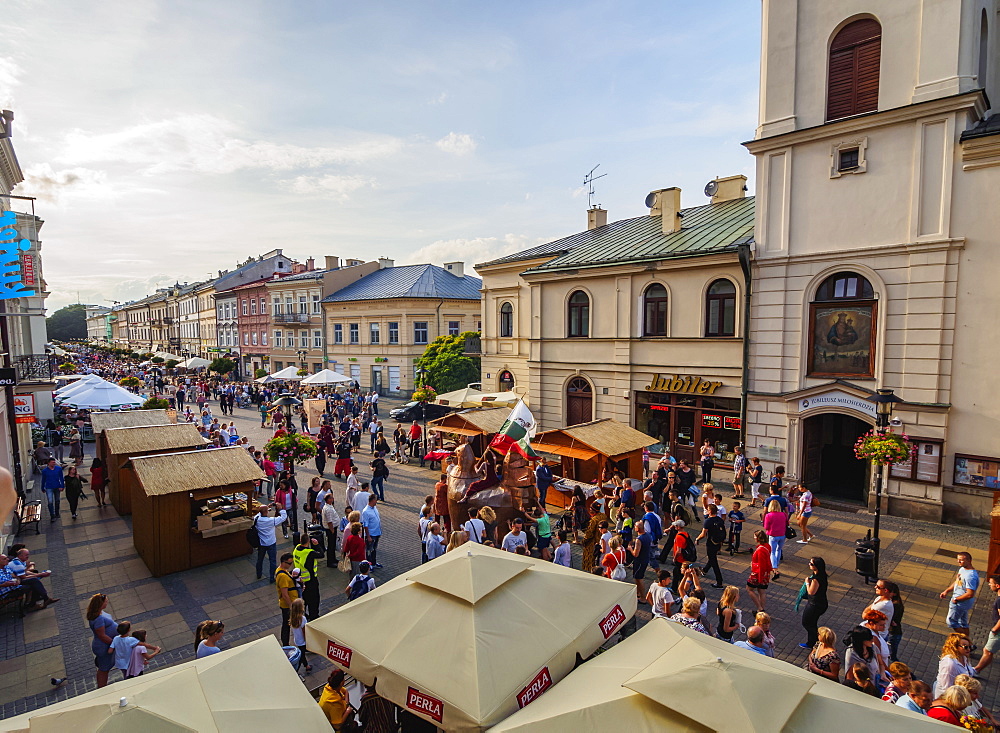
85	382
465	397
266	379
195	362
326	376
105	396
167	356
498	399
288	373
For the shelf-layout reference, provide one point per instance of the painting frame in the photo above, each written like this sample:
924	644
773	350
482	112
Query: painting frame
823	318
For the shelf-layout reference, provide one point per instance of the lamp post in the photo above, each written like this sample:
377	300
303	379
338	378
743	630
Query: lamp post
421	376
884	401
286	402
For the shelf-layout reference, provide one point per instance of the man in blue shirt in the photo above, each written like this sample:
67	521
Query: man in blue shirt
265	527
543	480
641	547
371	520
655	529
52	484
755	641
9	583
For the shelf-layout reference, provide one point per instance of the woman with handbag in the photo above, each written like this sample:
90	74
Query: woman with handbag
816	603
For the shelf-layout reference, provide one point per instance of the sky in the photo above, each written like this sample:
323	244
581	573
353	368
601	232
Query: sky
168	139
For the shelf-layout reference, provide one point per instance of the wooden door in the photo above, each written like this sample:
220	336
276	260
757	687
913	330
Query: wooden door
579	402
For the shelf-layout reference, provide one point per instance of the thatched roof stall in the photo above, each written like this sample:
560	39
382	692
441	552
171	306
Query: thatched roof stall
101	421
123	444
191	508
480	424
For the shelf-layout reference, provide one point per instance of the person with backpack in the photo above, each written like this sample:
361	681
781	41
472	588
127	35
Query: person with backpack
683	552
380	472
614	561
714	533
655	529
361	583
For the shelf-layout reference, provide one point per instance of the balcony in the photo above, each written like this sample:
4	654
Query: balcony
473	346
290	317
34	367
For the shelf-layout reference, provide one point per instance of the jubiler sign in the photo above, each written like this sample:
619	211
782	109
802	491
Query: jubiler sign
687	385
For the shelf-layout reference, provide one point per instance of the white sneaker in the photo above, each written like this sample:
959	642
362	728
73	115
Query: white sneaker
802	542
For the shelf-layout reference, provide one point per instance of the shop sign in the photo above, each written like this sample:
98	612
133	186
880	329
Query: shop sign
612	621
731	423
340	654
424	704
685	385
542	682
660	408
12	275
381	359
24	408
8	377
711	421
28	269
836	398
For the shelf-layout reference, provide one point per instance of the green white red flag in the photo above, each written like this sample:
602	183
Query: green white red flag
517	432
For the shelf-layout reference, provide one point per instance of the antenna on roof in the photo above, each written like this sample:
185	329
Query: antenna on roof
588	181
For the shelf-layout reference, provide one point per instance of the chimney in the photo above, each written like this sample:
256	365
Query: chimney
332	263
596	217
455	268
353	263
730	189
667	204
298	268
385	263
310	264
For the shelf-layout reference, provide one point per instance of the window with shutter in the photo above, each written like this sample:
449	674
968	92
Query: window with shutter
855	56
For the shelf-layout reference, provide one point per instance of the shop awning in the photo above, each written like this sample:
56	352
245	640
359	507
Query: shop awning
561	450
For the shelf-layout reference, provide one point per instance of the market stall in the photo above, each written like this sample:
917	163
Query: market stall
101	421
190	509
479	425
123	444
590	451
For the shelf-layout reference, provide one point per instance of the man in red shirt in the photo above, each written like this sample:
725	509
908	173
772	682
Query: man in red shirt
270	471
415	447
683	544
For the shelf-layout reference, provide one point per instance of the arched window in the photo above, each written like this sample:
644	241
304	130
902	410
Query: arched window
852	83
579	401
654	311
845	286
579	315
506	320
720	309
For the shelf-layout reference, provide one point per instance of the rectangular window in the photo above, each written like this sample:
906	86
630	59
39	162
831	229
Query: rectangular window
246	339
373	334
246	312
847	159
453	328
317	308
338	333
279	341
355	333
263	338
253	307
303	304
393	332
317	368
277	306
278	365
290	339
253	338
263	306
420	332
303	339
317	339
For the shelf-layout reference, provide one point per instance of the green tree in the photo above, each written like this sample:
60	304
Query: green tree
258	373
155	403
222	365
447	365
171	363
157	360
68	323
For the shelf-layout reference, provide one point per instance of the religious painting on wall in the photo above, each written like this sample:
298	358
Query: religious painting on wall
842	340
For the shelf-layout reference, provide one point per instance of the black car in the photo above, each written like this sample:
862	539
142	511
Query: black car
411	411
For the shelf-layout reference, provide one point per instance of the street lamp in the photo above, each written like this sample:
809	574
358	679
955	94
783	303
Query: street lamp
885	400
286	402
421	374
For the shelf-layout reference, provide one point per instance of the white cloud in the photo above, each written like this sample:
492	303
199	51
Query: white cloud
205	143
457	143
50	185
331	186
473	251
10	77
439	99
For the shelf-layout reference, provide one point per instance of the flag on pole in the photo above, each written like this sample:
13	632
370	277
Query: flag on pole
517	432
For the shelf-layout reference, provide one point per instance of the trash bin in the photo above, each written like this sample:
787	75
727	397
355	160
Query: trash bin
864	557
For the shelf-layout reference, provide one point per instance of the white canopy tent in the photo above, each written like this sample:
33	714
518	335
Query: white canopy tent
105	396
85	382
290	373
195	362
326	376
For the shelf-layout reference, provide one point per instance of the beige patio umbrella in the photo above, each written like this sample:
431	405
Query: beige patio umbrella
497	399
465	397
667	677
468	638
219	693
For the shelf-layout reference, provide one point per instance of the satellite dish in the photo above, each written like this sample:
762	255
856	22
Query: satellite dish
651	200
711	188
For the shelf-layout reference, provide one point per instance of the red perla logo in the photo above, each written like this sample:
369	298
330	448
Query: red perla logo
429	706
612	621
542	682
339	654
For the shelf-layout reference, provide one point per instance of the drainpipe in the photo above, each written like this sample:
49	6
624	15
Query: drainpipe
743	252
438	316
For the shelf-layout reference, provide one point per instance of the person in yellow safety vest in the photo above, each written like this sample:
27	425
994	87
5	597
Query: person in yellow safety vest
304	557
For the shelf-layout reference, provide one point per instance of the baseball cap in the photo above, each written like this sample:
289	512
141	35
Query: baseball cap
677	523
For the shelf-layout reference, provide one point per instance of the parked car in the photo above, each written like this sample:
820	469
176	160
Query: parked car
411	411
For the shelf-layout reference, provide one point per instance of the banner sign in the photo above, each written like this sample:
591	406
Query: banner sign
11	275
24	408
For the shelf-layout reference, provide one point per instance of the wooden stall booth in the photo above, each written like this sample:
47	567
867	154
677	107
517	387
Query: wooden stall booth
591	449
123	444
191	509
480	424
101	421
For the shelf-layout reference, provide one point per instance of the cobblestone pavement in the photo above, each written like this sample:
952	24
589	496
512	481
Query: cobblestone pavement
95	554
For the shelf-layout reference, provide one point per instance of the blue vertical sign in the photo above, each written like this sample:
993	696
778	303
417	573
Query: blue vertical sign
11	277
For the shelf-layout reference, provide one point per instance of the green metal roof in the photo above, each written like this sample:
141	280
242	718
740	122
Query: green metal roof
707	229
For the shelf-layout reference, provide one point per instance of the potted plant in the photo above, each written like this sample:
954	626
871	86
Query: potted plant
303	372
884	448
258	373
130	382
426	393
155	403
67	368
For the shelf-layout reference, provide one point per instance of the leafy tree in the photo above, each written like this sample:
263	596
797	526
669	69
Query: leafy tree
258	373
171	363
130	382
222	365
447	365
157	360
155	403
68	323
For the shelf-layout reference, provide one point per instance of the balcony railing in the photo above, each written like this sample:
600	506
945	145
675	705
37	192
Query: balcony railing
34	367
290	317
473	346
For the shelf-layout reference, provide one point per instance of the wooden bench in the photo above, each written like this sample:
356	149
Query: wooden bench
28	512
14	599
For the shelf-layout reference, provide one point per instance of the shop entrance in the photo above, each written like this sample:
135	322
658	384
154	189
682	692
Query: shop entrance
830	467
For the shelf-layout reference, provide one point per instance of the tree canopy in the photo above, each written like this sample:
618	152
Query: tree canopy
69	322
222	365
447	365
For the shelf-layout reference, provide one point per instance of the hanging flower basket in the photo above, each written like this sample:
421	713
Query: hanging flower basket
130	382
884	448
425	394
290	447
67	368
